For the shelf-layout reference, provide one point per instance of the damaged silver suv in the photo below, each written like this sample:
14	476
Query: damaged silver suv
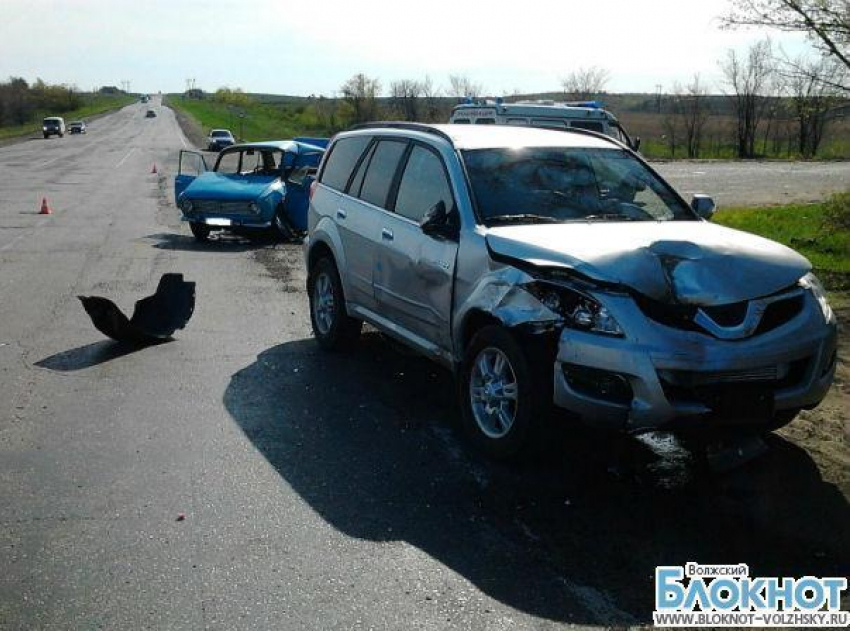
547	266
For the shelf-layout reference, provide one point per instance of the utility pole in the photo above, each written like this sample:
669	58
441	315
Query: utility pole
658	88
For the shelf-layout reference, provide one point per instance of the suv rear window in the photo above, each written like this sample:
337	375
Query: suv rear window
342	159
382	170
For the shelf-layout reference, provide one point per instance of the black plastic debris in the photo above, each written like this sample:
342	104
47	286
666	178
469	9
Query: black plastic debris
155	318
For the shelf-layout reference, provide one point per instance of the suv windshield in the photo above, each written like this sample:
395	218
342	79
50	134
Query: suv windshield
220	133
551	184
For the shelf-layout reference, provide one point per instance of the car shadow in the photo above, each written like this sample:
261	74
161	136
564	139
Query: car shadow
218	242
367	439
89	355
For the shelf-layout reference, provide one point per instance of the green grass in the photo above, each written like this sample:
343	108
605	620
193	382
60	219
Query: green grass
94	104
805	228
262	121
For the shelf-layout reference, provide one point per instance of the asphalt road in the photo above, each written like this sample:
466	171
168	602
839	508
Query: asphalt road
752	183
319	491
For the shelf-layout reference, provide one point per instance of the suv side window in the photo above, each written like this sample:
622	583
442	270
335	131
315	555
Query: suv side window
381	173
342	159
423	184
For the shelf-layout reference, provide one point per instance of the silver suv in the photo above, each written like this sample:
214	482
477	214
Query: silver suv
545	266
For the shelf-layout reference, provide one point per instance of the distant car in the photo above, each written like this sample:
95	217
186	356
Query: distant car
77	127
254	187
219	139
145	99
150	114
53	126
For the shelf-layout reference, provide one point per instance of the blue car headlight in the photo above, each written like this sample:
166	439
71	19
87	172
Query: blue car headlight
186	205
811	282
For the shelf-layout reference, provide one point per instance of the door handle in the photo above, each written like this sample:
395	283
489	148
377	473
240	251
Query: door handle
341	213
387	234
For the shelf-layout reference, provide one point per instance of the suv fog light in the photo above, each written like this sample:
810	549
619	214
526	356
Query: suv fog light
598	384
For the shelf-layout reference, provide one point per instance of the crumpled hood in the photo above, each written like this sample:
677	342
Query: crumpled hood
219	187
687	262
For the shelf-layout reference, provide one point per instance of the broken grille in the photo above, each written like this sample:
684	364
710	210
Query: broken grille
230	208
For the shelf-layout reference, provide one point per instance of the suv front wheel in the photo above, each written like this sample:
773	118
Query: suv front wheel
333	327
502	396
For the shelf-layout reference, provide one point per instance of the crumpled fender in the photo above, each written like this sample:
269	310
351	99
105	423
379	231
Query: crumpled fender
500	293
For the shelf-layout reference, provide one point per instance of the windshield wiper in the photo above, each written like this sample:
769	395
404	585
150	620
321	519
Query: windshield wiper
607	217
522	218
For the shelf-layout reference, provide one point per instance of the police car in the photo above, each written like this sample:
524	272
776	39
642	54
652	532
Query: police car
547	114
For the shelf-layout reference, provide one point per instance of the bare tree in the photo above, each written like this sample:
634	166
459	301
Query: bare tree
461	87
360	93
826	22
671	119
430	101
813	96
405	98
585	83
748	76
694	108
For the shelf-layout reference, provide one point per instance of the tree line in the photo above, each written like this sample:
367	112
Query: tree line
22	102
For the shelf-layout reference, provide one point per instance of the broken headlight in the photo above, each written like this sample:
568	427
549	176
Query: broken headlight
186	205
811	282
579	310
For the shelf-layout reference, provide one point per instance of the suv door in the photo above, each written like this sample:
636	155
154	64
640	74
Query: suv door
361	210
414	272
190	165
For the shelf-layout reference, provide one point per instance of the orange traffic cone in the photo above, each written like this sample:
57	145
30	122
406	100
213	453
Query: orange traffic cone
153	168
45	208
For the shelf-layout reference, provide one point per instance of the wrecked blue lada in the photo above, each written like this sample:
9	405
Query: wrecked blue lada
254	188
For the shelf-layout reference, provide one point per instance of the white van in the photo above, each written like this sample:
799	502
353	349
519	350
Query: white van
547	114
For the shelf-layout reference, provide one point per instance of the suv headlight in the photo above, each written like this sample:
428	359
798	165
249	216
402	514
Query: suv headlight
811	282
578	310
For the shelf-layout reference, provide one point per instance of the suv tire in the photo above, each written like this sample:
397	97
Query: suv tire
333	328
503	396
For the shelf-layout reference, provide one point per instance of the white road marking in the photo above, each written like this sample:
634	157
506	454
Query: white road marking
129	153
51	161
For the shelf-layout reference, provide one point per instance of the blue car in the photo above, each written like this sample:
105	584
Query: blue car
254	188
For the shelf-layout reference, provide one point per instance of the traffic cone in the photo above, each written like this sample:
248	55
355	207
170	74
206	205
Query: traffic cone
45	208
153	168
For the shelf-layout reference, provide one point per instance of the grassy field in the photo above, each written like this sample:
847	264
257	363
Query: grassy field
262	121
809	229
94	104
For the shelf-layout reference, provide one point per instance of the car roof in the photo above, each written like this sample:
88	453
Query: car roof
494	136
281	145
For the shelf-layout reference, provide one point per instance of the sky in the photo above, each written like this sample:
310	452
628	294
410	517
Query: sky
303	48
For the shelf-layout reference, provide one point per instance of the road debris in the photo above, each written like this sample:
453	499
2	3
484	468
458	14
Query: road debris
155	318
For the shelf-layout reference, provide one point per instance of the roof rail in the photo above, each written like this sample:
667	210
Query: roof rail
423	127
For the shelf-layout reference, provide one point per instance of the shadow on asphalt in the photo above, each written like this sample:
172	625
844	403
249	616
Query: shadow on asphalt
218	242
89	355
367	440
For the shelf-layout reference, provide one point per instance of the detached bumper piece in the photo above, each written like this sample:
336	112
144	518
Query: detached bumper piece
155	318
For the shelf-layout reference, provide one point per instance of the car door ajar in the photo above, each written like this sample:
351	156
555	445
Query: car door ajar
190	165
414	272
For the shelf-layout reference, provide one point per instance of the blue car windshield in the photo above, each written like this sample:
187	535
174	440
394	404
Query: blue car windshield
250	162
556	185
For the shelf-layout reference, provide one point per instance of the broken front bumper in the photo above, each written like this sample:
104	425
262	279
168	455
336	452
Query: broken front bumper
226	222
658	374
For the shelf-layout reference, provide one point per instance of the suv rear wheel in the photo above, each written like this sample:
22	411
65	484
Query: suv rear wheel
501	396
333	327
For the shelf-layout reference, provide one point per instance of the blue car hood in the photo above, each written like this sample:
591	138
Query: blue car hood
226	188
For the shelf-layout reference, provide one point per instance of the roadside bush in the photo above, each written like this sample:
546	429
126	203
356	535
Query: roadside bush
837	211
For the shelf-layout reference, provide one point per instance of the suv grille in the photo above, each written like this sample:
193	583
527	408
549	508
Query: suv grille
776	313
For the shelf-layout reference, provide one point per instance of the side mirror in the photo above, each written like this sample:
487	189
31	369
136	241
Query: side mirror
437	222
636	144
703	205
